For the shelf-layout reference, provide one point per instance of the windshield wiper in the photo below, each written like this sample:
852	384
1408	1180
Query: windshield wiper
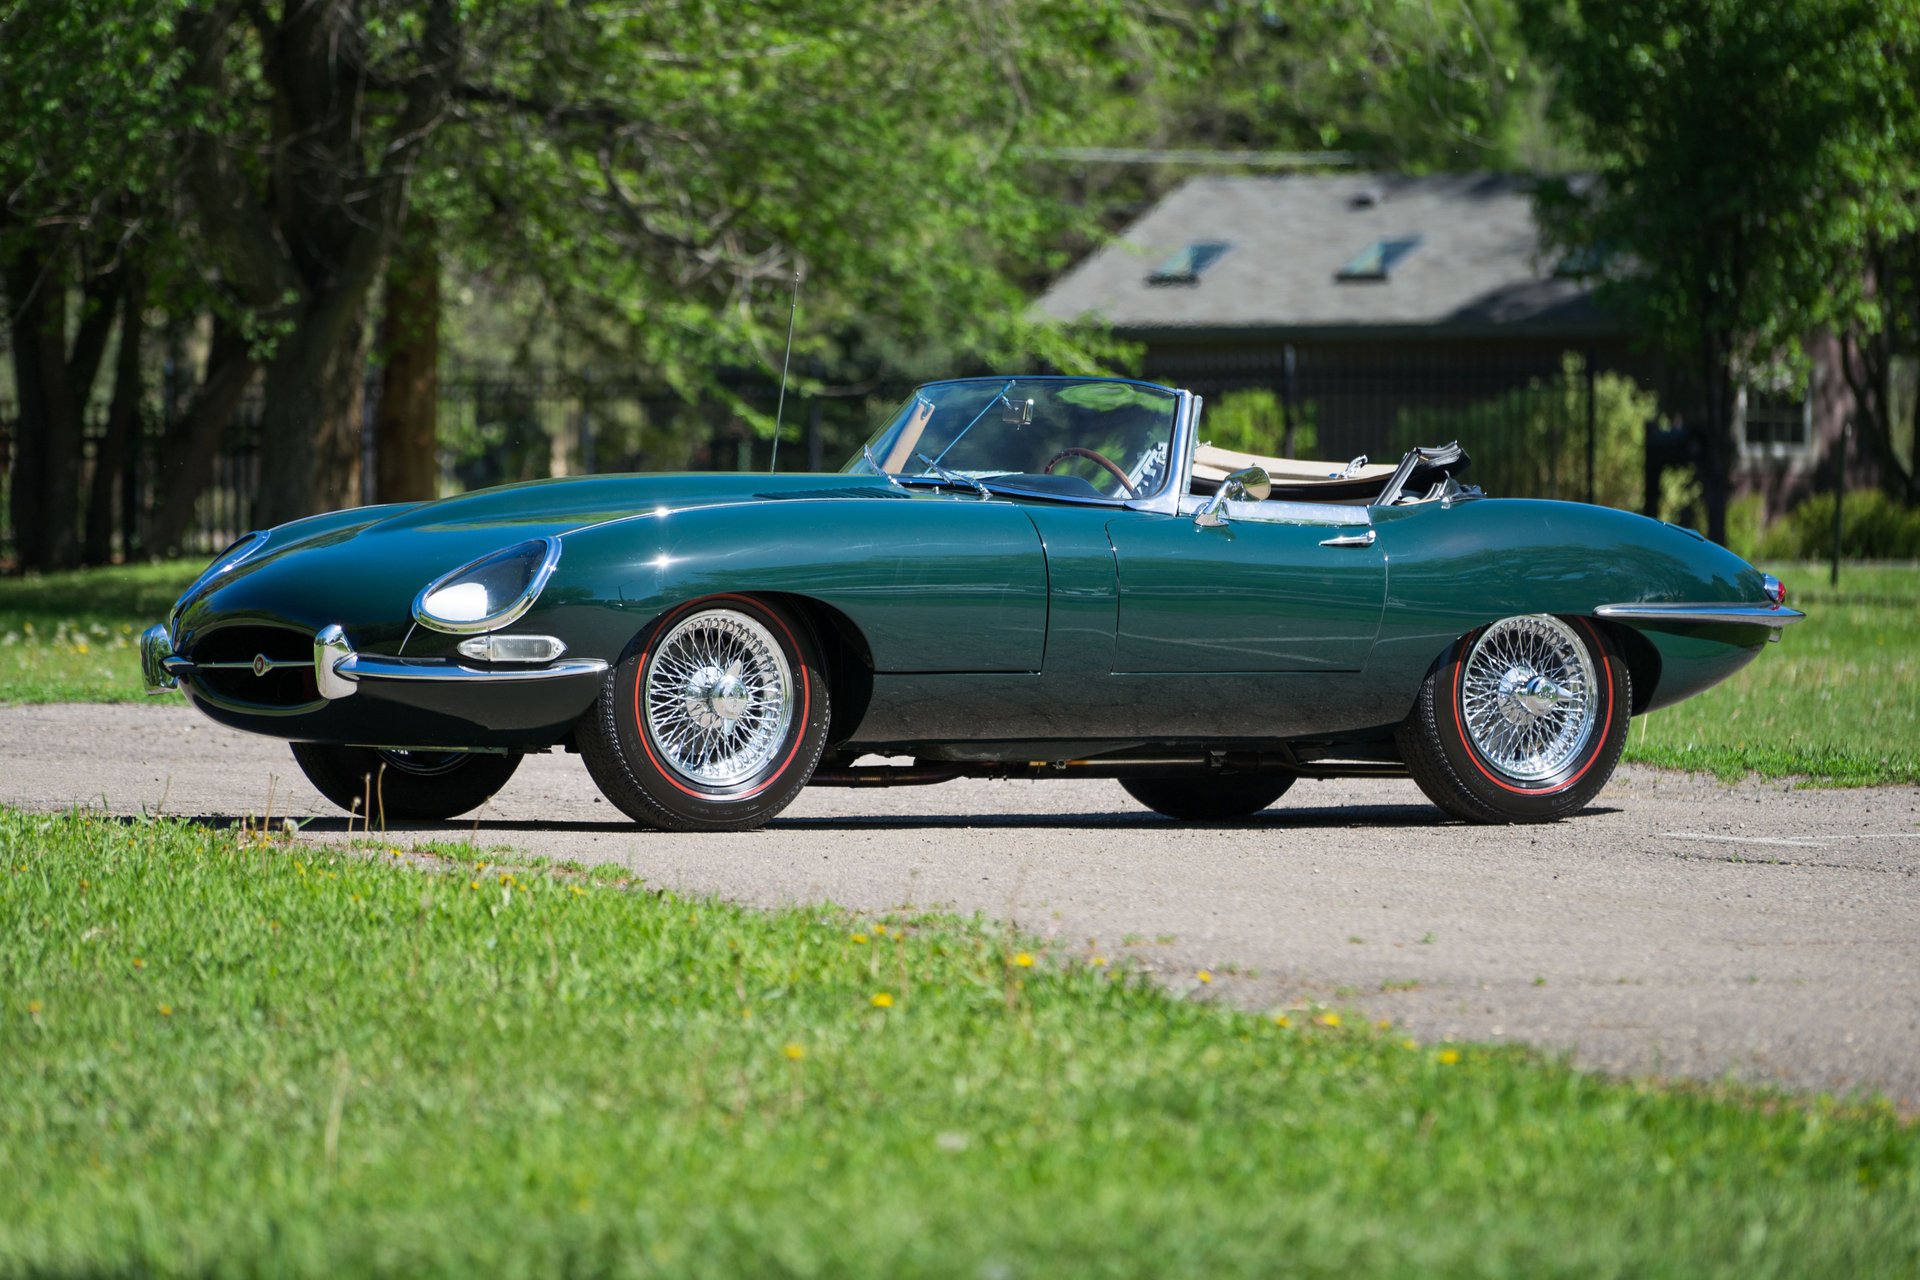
866	452
954	477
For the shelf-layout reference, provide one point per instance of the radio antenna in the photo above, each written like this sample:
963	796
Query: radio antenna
786	363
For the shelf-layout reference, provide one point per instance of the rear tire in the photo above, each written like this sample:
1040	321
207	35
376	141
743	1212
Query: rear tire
405	786
1208	799
713	721
1521	721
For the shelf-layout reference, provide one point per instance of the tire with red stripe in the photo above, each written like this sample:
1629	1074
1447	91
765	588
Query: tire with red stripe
1521	721
713	720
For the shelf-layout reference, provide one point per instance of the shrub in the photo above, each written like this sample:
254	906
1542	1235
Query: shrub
1873	527
1531	442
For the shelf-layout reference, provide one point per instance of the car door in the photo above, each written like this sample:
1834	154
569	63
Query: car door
1280	587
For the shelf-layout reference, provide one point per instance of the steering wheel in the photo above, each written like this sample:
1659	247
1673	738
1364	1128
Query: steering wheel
1092	455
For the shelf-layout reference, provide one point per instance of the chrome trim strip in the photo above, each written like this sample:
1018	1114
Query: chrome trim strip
1281	511
367	666
1750	615
506	617
338	669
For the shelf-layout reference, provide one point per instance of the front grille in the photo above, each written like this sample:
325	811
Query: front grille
281	686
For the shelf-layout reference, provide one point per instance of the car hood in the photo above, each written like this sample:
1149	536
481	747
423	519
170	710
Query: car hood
365	565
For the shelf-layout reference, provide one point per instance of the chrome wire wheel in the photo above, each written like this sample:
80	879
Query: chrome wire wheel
1529	697
718	698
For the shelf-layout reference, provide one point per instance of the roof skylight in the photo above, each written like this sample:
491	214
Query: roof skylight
1377	260
1186	266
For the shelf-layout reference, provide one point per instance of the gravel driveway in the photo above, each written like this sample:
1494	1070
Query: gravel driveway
1680	927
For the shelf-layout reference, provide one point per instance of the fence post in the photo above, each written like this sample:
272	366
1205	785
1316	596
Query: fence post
1591	443
1839	495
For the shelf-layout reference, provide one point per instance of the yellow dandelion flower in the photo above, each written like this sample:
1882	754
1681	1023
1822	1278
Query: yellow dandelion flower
1024	960
138	963
1204	976
1328	1019
34	1007
1099	962
1449	1056
1409	1044
1282	1020
1384	1024
879	931
794	1052
473	884
881	1000
858	937
166	1011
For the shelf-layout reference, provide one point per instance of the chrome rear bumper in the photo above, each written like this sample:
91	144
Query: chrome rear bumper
338	668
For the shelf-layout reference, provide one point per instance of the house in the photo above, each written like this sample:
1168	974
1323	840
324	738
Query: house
1369	301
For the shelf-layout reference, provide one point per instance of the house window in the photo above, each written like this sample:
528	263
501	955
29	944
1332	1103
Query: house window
1775	423
1377	260
1186	266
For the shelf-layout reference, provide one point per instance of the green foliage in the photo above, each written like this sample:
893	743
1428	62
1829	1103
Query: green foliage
1255	422
1531	442
1873	527
74	637
233	1055
1799	711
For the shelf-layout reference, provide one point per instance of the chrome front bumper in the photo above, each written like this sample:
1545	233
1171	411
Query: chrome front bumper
338	669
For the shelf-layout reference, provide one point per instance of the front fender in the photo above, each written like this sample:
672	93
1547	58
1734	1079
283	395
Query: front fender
934	584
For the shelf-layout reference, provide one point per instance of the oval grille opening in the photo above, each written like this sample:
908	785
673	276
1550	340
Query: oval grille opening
284	679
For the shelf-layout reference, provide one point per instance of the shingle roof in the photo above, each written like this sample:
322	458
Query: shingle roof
1478	268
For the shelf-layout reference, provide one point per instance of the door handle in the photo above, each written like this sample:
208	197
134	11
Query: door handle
1351	540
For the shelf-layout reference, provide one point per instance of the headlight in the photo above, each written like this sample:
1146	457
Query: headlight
491	591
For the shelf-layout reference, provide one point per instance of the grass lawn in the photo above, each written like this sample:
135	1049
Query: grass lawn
75	637
220	1055
1837	700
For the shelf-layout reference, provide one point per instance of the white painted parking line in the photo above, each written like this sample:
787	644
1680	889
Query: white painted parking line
1720	839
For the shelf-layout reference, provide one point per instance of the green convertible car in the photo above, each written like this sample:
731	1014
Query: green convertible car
1035	577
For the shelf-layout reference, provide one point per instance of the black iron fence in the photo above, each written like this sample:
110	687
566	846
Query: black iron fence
1546	422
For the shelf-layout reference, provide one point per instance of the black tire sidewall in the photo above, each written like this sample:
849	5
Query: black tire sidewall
1567	790
650	791
347	775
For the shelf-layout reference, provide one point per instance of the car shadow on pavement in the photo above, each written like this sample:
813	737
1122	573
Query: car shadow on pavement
1296	819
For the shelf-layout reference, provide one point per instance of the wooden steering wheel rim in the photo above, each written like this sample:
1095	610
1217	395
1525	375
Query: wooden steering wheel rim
1091	455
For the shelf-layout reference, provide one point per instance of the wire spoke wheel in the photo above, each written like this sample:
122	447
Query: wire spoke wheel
718	698
1520	721
713	720
1528	696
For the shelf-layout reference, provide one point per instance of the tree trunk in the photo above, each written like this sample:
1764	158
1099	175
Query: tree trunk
186	464
123	425
405	427
310	427
46	464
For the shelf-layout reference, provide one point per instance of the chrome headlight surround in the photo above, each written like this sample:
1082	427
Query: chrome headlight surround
492	592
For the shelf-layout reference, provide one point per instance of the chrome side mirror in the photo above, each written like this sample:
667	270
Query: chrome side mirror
1249	484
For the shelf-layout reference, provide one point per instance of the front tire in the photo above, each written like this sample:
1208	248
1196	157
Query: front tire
713	721
1208	799
1523	720
406	786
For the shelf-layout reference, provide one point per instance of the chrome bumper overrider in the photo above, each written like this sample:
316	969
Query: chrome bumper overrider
338	669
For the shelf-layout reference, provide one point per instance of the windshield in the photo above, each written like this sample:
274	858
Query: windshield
1068	437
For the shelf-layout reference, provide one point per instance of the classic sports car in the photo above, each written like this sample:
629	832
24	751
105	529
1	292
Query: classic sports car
1037	577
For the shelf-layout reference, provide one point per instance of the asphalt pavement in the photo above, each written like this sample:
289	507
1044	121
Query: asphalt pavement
1679	927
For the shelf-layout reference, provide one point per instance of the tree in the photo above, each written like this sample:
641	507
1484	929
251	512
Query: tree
1741	156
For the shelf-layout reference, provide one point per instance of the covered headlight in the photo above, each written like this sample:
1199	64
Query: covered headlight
489	592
